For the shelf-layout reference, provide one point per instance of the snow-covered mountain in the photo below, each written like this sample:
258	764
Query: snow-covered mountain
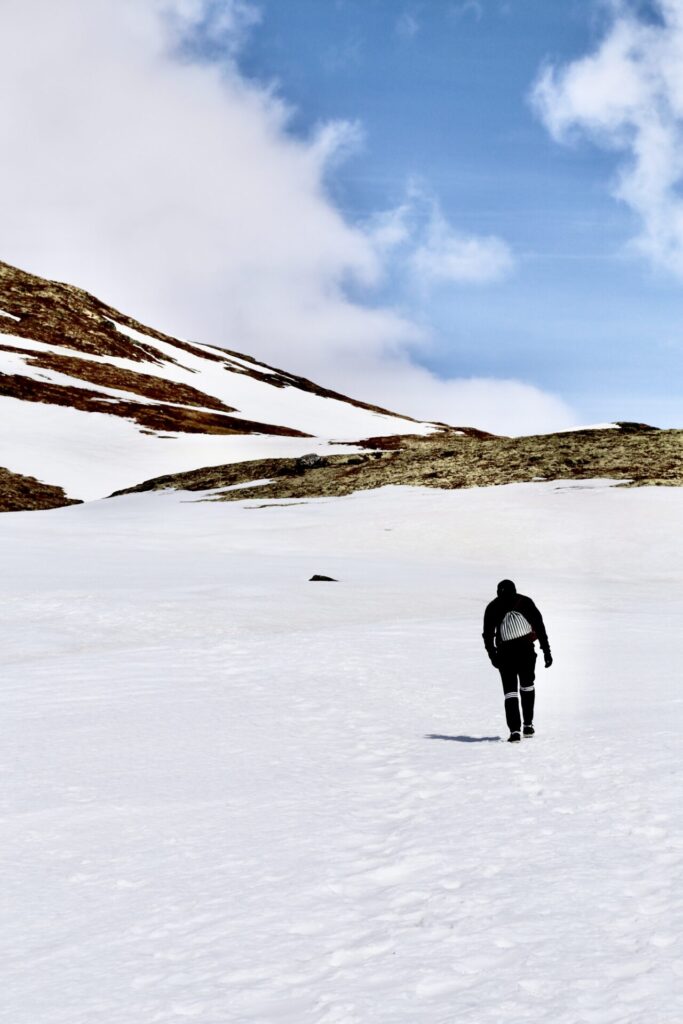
92	400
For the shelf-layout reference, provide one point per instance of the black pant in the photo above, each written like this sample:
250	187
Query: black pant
517	666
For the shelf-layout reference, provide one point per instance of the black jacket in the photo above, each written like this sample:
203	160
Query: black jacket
495	613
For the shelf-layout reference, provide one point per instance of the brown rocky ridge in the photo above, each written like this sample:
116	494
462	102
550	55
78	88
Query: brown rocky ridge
635	454
24	493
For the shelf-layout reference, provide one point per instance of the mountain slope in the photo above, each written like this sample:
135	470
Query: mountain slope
93	400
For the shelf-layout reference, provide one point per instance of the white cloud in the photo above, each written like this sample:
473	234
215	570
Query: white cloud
174	189
628	96
451	256
335	141
222	25
418	235
391	229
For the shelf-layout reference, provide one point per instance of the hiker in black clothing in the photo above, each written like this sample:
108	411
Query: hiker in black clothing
511	624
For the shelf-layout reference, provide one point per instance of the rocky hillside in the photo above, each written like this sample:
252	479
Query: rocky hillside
92	400
630	452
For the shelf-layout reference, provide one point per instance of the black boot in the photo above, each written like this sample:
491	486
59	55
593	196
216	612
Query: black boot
512	715
514	737
529	730
528	695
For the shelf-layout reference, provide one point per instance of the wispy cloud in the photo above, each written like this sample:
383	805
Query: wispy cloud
407	25
344	54
432	250
451	256
215	29
471	8
627	96
335	141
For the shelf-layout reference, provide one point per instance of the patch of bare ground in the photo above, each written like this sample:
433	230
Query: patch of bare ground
110	376
635	454
20	493
167	418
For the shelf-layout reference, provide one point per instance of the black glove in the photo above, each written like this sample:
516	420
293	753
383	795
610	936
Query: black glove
494	660
548	659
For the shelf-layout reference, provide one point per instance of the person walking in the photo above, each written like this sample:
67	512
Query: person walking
512	623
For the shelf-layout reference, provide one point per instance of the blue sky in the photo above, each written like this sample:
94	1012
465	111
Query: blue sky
465	210
442	93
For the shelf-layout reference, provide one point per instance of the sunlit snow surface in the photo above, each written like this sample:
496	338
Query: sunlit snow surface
235	796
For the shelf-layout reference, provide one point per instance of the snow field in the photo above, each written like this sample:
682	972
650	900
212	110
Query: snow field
235	796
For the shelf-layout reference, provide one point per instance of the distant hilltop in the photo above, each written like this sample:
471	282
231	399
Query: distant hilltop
633	454
94	402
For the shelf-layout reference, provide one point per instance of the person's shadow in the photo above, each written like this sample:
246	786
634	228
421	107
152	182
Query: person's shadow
463	739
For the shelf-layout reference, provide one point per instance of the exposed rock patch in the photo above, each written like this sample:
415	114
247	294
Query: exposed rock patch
24	493
168	418
110	376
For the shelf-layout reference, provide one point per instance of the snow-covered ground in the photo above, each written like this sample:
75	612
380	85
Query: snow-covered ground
234	796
